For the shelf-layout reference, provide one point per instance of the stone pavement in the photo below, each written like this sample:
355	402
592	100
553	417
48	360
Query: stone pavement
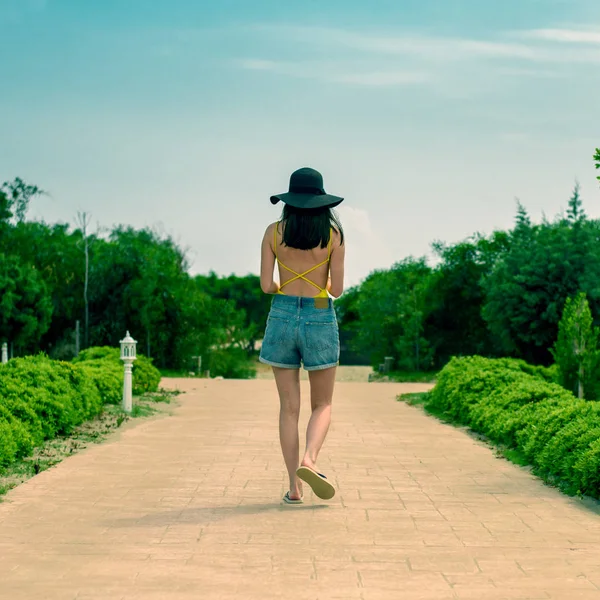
188	507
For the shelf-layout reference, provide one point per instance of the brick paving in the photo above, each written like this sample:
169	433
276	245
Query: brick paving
188	506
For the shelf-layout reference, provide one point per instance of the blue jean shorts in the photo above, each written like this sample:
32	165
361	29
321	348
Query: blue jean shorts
300	333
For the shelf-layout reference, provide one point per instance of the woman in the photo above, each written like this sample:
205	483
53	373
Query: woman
308	247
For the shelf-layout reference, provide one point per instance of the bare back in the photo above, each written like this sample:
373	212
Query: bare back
328	276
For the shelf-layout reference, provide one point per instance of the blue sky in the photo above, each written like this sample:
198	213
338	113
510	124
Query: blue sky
430	117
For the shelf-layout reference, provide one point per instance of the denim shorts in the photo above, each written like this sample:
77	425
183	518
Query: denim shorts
299	332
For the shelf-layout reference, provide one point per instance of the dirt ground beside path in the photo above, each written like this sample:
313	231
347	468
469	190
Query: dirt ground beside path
188	506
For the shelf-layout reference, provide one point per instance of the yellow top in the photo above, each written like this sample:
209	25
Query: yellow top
322	291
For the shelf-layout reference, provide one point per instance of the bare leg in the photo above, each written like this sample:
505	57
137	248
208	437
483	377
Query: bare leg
321	394
288	386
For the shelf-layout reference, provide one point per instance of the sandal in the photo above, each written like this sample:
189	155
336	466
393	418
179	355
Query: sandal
289	500
318	482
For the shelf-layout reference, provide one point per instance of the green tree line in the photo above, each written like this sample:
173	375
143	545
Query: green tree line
492	295
51	275
497	295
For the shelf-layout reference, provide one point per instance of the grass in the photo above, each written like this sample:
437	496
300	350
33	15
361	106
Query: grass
514	456
92	432
420	399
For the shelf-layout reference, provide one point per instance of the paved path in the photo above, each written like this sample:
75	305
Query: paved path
188	507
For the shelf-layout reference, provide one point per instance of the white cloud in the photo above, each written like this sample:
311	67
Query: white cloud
531	45
406	43
528	72
382	78
573	36
366	248
335	72
255	64
457	67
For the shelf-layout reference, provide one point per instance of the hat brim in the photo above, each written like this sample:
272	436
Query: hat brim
307	200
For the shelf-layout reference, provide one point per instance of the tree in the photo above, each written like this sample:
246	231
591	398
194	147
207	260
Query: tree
522	220
346	308
527	288
247	297
348	317
597	159
576	349
54	252
455	297
25	305
83	220
130	279
575	212
17	196
391	309
136	278
5	212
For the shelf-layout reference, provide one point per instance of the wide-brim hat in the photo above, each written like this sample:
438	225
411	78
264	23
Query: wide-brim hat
307	191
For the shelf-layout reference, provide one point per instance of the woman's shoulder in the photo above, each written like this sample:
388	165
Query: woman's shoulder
271	228
269	234
336	236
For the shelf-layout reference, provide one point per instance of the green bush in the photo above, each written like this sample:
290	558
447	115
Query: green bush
15	440
520	407
40	399
231	363
8	446
107	377
146	377
97	353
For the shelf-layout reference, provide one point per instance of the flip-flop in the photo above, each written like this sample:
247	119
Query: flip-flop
289	500
318	482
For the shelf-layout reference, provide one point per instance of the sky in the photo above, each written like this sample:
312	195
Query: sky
430	117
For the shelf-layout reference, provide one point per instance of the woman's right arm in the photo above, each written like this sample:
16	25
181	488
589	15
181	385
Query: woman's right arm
336	267
267	263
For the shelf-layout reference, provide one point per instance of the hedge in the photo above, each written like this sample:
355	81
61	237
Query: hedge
104	363
518	405
42	398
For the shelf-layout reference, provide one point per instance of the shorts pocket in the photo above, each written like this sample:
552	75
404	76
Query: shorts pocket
276	330
321	336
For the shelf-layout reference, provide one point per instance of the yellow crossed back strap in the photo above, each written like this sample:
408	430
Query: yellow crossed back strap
303	275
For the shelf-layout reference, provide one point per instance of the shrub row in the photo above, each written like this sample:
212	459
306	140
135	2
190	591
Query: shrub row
42	398
520	407
104	365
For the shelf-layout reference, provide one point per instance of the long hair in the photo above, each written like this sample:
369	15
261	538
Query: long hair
306	229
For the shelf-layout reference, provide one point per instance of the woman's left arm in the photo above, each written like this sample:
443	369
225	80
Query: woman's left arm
267	263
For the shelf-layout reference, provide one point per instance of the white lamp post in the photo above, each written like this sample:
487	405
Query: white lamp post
4	353
128	356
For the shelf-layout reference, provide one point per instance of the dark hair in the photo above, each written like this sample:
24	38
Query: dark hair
306	228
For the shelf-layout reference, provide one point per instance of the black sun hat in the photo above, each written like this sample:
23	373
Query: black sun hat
306	191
